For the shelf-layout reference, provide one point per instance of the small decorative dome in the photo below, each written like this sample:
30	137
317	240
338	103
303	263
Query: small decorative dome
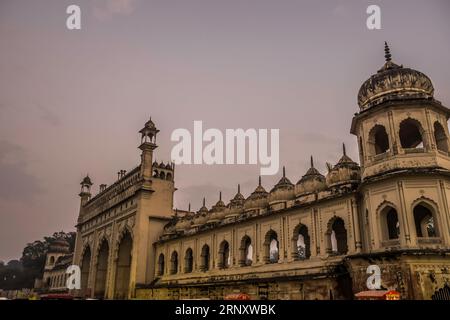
150	124
393	82
238	200
201	217
168	166
162	165
345	171
283	190
171	227
312	181
257	199
236	205
86	181
185	222
59	245
217	212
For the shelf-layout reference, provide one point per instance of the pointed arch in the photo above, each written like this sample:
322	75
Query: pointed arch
271	247
224	255
246	251
336	236
174	262
102	259
378	140
440	137
426	217
188	261
205	258
411	134
301	243
123	264
85	267
161	264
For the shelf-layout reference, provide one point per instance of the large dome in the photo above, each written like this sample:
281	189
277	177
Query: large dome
393	82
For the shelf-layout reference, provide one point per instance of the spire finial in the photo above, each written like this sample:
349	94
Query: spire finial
189	208
239	188
259	181
204	201
343	149
284	172
312	162
220	195
387	52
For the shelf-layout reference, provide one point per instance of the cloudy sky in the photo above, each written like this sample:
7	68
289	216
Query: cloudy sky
72	102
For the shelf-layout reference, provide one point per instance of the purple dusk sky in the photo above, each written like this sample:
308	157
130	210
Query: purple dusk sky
72	102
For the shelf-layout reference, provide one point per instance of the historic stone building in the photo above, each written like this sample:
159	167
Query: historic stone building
310	240
57	260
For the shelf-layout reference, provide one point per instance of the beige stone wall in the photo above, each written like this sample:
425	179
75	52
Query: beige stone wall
316	218
404	193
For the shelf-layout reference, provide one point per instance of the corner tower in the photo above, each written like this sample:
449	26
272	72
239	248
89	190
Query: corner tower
403	141
400	125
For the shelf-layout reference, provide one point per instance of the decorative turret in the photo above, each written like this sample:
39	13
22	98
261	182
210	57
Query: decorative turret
282	191
217	212
313	181
85	193
148	144
257	199
345	172
201	216
400	125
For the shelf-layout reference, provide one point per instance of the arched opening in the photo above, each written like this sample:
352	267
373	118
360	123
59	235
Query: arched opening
188	261
246	252
378	140
155	173
424	221
51	260
271	247
161	265
162	175
85	268
123	265
337	236
205	257
102	268
224	255
301	243
169	176
390	224
174	263
440	137
411	134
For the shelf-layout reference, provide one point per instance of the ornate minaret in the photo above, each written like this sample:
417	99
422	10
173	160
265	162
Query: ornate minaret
404	148
148	144
85	193
400	124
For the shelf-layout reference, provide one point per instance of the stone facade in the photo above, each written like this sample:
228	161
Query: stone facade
309	240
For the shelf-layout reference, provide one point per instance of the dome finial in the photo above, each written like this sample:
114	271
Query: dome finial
189	208
387	52
259	181
284	172
220	195
239	188
312	162
343	149
204	201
